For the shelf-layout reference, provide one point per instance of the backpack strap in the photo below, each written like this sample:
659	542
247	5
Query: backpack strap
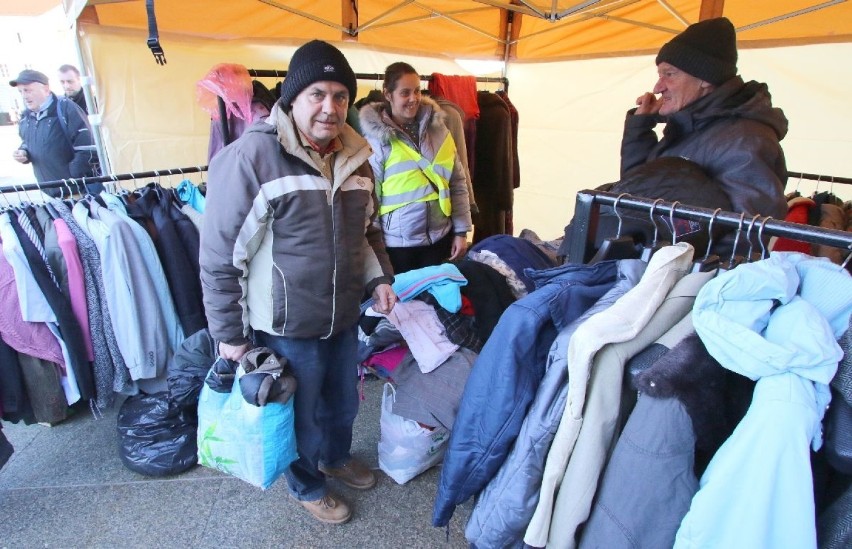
62	115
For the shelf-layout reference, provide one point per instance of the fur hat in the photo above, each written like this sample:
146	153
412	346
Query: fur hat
705	50
317	61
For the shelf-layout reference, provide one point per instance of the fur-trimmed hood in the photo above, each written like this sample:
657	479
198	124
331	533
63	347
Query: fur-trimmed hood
715	398
376	122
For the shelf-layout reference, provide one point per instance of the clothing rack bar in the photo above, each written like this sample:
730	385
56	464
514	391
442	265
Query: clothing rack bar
588	203
101	179
273	73
821	178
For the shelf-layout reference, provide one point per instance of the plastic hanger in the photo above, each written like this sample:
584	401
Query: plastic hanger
619	247
648	251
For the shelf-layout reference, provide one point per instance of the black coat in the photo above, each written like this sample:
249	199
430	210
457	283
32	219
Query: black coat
57	150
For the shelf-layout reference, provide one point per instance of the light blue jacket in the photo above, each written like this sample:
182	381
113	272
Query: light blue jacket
776	322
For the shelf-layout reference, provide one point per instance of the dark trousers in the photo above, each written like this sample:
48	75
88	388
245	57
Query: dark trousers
417	257
325	404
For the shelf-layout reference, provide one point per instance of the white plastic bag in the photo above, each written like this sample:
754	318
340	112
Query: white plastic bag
405	448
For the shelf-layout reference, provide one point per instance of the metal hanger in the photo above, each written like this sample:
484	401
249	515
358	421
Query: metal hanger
734	260
846	261
763	251
671	220
619	247
656	244
749	257
708	262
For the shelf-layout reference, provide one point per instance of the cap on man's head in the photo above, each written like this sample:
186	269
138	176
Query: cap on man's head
706	50
28	77
317	61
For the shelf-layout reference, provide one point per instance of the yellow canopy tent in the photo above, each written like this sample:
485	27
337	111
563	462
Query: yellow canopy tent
574	68
517	30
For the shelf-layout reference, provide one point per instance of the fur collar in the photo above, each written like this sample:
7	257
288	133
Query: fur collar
377	124
715	398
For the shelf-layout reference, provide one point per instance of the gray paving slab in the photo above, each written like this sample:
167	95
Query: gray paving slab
65	486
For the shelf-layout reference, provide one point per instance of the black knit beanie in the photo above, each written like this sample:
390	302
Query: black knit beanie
705	50
314	62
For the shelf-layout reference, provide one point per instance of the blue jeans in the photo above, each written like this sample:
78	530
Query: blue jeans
325	405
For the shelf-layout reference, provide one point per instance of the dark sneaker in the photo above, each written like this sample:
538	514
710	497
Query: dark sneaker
353	473
328	509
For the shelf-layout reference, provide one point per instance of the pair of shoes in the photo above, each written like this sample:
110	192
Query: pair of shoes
353	473
328	509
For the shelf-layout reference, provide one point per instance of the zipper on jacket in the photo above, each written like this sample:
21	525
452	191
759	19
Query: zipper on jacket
333	271
428	221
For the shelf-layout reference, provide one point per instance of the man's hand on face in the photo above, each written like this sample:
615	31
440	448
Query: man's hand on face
648	103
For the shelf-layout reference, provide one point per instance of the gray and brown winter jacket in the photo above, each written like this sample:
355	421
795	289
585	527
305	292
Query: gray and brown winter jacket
284	249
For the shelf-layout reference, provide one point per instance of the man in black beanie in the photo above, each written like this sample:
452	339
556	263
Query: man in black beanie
713	118
288	247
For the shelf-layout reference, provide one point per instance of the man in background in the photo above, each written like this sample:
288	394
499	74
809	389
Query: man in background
55	135
712	117
69	77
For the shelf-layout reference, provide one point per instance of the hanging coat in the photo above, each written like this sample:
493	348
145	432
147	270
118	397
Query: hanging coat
775	321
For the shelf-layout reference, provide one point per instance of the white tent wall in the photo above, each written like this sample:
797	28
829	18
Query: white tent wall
151	119
572	114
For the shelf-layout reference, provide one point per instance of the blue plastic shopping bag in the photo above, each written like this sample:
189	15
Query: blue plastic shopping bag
253	443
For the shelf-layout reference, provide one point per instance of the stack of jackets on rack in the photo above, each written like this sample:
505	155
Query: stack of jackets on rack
823	209
625	404
98	295
490	123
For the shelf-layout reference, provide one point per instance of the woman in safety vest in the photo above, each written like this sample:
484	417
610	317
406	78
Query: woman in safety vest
424	206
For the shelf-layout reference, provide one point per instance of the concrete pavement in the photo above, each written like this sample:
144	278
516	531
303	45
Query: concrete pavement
65	486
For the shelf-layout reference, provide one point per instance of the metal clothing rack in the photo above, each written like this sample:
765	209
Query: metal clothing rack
274	73
588	203
80	184
820	178
261	73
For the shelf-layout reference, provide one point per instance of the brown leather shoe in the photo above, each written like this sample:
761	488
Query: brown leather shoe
353	473
328	509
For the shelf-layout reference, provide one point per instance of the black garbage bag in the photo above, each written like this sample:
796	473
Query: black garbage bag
156	439
189	367
6	449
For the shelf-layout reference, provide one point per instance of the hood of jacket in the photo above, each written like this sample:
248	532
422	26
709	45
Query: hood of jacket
734	98
775	316
376	122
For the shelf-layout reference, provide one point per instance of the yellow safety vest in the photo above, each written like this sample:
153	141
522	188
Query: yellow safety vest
411	178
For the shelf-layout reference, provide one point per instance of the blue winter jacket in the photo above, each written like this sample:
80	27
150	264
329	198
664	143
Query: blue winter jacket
506	375
504	507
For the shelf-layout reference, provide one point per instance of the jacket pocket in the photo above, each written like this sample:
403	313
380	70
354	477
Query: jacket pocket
279	299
